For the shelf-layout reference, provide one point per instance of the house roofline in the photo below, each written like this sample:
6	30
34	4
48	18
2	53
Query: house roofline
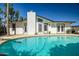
45	18
66	21
56	21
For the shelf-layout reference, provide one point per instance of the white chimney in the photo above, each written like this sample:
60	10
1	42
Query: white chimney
31	22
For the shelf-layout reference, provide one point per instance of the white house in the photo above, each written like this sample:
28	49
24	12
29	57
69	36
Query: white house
36	24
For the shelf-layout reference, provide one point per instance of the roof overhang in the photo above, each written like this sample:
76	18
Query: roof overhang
51	21
65	22
45	18
76	26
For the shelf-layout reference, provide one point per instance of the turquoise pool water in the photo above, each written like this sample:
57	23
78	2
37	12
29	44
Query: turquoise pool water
42	46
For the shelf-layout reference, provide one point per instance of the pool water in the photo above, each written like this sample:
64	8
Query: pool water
42	46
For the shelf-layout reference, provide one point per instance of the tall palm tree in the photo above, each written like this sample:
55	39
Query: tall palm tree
0	10
7	14
11	13
17	15
21	18
0	20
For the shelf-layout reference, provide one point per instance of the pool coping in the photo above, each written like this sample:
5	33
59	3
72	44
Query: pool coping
12	37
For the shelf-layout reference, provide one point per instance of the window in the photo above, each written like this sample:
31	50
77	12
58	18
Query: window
13	26
40	20
25	28
40	27
45	27
62	28
58	28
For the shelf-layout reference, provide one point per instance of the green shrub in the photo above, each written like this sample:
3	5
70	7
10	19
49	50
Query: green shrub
70	31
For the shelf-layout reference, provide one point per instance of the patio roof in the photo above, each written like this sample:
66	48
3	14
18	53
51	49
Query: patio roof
75	26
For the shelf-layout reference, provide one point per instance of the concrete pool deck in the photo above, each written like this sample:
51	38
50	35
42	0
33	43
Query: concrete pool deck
11	37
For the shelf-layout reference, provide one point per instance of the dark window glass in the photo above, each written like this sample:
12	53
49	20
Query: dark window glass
40	27
40	20
62	28
45	27
58	28
25	27
13	26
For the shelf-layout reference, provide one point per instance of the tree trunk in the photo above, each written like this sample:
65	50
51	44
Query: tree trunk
8	30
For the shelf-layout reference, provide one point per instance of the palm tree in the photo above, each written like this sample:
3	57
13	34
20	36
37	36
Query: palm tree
8	32
0	20
17	15
0	10
9	15
21	18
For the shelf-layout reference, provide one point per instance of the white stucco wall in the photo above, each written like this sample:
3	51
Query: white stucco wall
31	23
67	27
52	28
19	28
11	31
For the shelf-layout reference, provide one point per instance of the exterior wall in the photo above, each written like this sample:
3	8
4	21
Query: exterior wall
31	23
67	27
11	31
19	28
42	23
61	29
52	28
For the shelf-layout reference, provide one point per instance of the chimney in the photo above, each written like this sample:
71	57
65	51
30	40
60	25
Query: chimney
31	22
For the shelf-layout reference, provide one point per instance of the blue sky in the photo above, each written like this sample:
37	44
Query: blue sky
56	12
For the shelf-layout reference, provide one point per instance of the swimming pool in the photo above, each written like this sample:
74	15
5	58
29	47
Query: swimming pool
42	46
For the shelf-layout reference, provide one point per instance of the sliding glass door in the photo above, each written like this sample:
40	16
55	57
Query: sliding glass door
40	27
60	28
45	27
